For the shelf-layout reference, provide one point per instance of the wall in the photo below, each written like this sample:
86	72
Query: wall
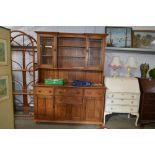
6	106
141	58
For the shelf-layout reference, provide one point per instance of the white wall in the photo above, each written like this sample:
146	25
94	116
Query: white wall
141	58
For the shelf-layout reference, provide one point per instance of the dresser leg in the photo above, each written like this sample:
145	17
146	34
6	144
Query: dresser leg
136	119
128	115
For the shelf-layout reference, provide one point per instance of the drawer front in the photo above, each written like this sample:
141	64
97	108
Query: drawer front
121	109
68	100
43	91
68	91
121	102
94	93
122	95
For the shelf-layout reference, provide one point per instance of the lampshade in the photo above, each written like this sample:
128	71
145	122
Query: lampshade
115	62
131	62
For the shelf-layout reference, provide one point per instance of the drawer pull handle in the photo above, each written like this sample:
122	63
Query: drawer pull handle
50	91
131	102
112	101
39	91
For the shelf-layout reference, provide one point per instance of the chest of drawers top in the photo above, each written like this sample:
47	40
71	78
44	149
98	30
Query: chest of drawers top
147	85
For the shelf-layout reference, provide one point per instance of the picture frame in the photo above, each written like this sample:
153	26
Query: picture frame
4	88
3	52
143	38
119	37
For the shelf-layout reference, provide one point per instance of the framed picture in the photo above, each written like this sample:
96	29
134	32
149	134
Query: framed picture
143	38
119	36
3	52
4	89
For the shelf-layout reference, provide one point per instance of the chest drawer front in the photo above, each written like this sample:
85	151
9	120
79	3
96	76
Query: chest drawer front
68	100
98	93
122	95
121	102
121	109
68	91
43	91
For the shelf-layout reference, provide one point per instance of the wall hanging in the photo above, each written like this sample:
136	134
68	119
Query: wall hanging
143	38
119	36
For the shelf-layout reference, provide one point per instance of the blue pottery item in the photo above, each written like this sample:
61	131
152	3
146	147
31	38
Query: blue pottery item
81	83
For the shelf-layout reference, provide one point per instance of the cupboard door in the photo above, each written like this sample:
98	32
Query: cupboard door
62	111
47	51
77	112
68	108
43	107
93	109
95	50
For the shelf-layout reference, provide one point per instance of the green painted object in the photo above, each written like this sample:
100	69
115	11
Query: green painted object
54	81
152	73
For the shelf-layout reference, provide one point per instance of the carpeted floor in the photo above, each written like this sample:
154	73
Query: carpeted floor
114	121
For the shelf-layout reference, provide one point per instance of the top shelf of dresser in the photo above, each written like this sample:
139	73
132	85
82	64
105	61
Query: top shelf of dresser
131	50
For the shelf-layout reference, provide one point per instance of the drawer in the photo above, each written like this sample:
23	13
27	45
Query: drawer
68	100
122	95
93	93
121	102
121	109
68	91
43	91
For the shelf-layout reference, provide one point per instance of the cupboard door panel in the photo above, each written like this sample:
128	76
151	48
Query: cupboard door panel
44	107
77	112
93	109
62	111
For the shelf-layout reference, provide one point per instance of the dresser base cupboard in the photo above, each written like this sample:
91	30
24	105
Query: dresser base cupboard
69	105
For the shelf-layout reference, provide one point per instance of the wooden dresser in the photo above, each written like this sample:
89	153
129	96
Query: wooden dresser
70	57
122	96
147	101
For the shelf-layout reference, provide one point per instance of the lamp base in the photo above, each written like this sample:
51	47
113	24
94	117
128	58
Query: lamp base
128	72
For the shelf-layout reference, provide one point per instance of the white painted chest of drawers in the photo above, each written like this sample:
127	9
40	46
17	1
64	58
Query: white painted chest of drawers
122	96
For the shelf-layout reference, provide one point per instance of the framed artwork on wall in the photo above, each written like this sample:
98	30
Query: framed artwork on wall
119	36
3	52
143	38
4	88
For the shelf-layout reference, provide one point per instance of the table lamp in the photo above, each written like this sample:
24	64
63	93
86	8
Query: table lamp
115	65
131	63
